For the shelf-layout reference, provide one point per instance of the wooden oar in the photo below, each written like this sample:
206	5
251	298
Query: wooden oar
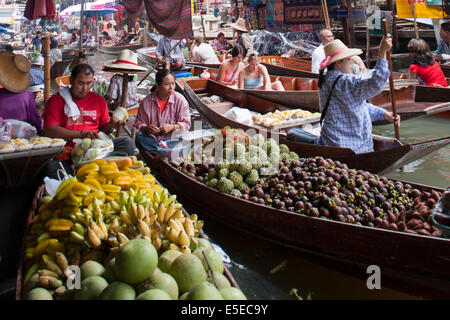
391	85
157	64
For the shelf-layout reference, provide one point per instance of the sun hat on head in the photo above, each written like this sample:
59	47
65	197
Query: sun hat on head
336	50
39	61
14	71
127	60
239	25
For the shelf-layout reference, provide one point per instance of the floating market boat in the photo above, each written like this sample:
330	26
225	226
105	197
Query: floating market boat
59	68
409	258
115	50
147	55
288	67
389	154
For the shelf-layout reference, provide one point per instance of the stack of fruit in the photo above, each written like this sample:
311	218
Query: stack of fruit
92	217
320	188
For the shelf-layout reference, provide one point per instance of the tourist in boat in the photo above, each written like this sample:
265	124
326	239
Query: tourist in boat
16	102
175	59
55	53
126	59
243	37
325	37
347	116
424	66
255	76
443	51
222	45
78	113
161	114
203	52
229	69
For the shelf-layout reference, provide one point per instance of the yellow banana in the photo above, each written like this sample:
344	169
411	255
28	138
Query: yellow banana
165	244
194	217
49	282
45	272
52	266
174	225
102	225
113	224
157	243
199	224
133	212
169	212
125	218
173	246
78	228
189	227
62	261
161	212
183	239
141	213
185	249
122	238
172	235
93	239
115	206
96	229
144	228
178	214
147	220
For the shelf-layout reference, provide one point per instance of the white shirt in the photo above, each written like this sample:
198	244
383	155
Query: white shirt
204	53
317	57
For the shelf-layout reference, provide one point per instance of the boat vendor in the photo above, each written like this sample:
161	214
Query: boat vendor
175	59
347	117
161	114
443	51
256	76
424	67
221	45
325	37
78	113
127	59
229	69
203	52
16	102
243	39
55	53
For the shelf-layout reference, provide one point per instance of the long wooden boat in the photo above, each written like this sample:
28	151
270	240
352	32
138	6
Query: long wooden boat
147	55
416	260
412	100
31	215
115	50
59	68
288	67
389	154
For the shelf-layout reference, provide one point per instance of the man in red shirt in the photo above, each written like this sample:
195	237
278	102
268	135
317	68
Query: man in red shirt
92	117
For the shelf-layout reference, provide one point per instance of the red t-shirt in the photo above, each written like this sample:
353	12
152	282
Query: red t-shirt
430	75
93	109
162	105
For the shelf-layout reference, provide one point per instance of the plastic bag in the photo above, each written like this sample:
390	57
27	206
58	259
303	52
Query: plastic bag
22	129
86	150
239	115
6	131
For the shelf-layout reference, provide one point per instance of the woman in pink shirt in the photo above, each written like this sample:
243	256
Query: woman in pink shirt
161	113
229	69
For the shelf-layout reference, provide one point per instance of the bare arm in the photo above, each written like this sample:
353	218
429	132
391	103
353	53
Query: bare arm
266	78
241	79
67	134
221	76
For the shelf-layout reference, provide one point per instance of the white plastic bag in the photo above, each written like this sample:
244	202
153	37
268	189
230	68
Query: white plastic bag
239	115
22	129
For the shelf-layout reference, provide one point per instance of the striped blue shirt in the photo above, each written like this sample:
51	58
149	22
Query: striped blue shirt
348	122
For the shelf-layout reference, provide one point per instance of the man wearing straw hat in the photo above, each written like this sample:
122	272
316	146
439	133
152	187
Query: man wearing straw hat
126	60
346	116
244	39
78	113
15	101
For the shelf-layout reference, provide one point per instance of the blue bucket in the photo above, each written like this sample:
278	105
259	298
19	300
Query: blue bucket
183	74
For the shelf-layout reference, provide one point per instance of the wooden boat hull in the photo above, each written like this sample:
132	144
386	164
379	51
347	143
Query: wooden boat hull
116	50
412	258
389	153
147	55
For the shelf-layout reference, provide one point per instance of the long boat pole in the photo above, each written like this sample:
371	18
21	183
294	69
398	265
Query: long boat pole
81	24
391	85
416	30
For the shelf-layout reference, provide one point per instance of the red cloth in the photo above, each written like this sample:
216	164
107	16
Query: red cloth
430	75
93	109
35	9
162	105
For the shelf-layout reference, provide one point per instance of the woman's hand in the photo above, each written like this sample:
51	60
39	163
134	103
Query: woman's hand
389	116
167	128
151	129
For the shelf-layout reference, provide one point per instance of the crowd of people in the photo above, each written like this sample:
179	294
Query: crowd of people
73	112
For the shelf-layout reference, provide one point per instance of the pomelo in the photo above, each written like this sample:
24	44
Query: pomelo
118	291
232	293
91	288
188	271
110	273
167	258
135	261
38	294
184	296
220	280
203	243
91	268
163	281
204	291
154	294
214	259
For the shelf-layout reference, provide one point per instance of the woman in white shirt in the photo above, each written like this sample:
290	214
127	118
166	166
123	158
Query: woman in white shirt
203	52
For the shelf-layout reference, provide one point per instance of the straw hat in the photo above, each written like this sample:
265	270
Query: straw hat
240	25
7	37
14	71
126	61
337	50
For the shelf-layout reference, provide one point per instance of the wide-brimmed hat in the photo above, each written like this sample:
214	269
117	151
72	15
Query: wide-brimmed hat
6	37
240	25
336	50
14	71
39	61
127	60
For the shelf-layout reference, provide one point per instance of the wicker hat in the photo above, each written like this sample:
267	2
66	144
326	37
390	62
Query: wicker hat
336	50
240	25
127	60
14	71
7	37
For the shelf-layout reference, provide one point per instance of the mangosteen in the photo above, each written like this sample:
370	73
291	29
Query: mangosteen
407	186
323	198
297	197
291	209
305	199
284	169
338	202
254	199
324	212
372	182
279	187
337	211
300	185
316	203
292	193
370	224
299	205
321	180
259	192
245	191
399	188
310	194
245	196
282	176
414	193
200	179
273	182
289	177
350	219
276	203
386	206
379	198
294	184
308	205
377	211
314	212
340	217
192	175
261	201
285	194
289	202
282	205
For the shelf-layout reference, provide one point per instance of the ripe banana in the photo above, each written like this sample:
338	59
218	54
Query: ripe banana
48	273
169	211
161	212
199	224
172	235
157	243
141	213
122	238
96	229
92	238
125	218
49	282
178	214
133	212
62	261
144	228
102	225
76	237
185	249
183	239
189	227
52	266
173	246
